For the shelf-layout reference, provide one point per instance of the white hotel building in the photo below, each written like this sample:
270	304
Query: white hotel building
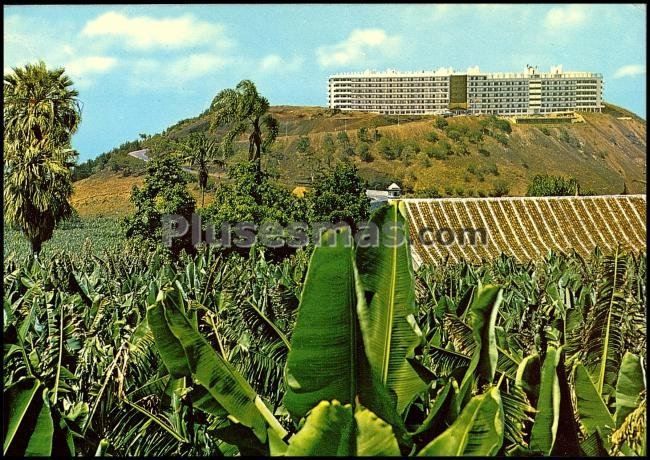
473	92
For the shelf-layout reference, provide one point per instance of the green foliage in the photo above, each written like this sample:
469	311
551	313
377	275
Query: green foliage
363	150
390	148
546	185
241	109
453	134
163	193
339	197
440	122
432	136
501	188
251	195
303	144
362	135
545	131
41	113
143	355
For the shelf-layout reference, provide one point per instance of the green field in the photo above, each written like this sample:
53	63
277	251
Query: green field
223	355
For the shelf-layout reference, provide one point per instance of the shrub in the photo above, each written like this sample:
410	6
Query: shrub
501	138
454	135
389	148
449	191
501	188
362	135
485	153
440	122
303	144
546	185
424	160
430	192
545	130
503	125
460	191
432	137
363	150
482	194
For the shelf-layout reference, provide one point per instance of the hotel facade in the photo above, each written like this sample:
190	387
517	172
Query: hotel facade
472	92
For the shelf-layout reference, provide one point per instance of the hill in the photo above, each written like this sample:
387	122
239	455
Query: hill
602	152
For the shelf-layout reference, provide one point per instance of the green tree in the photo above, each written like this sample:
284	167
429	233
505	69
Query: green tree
343	140
362	135
441	122
251	195
547	185
329	147
501	188
41	112
163	193
200	150
363	150
339	197
303	144
243	108
432	137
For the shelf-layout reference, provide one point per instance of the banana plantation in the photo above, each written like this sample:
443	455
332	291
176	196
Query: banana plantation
339	350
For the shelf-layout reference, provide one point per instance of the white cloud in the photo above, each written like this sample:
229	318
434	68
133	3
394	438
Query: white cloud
90	65
154	73
275	63
145	32
565	17
630	71
362	46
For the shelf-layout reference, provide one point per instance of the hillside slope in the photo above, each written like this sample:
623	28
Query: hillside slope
602	153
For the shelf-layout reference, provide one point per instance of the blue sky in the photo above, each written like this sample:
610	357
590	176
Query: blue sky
139	69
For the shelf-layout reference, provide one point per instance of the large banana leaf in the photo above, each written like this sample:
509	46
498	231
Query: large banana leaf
483	315
42	437
322	363
386	316
604	341
478	430
331	429
544	429
591	407
208	368
30	427
630	384
328	431
374	436
528	377
17	399
567	443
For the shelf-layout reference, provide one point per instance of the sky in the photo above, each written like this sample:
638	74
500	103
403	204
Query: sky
140	69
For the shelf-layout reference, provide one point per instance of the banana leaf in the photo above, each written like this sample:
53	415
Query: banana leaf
208	368
483	315
328	431
478	431
387	319
544	429
322	363
591	408
327	360
630	384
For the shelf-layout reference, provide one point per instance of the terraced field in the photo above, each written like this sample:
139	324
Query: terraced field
480	229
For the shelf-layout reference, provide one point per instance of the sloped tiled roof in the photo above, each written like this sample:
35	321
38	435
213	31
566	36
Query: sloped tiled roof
478	229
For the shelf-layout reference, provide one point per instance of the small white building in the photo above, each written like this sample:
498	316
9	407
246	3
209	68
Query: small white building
394	191
379	197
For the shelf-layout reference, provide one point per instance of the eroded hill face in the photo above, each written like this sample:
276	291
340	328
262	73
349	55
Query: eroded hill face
602	153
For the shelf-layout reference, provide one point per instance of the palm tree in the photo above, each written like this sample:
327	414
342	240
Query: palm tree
199	151
41	112
242	108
